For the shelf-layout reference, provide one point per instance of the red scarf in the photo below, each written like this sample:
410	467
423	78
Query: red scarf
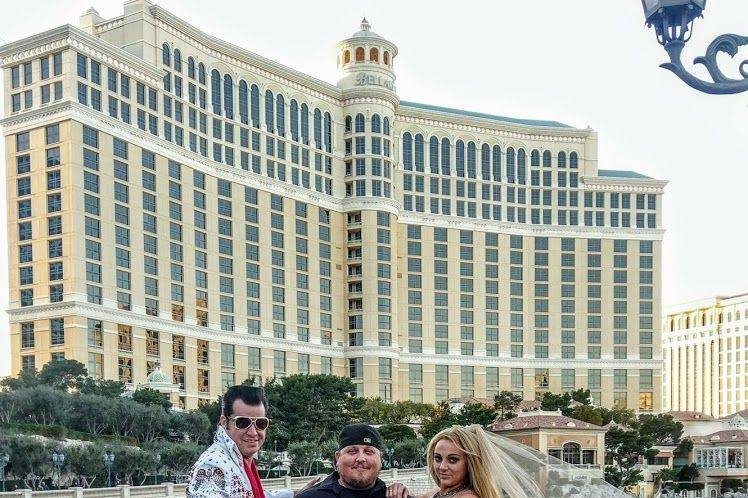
254	478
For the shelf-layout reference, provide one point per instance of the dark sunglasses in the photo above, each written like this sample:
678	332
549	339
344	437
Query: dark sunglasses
240	422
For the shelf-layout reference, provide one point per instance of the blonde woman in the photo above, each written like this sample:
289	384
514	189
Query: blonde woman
469	462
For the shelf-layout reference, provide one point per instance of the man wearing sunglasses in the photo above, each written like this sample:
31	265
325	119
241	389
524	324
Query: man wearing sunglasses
227	469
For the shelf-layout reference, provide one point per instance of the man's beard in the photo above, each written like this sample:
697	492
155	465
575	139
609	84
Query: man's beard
352	482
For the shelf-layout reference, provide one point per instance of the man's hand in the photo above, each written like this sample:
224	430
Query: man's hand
398	490
310	484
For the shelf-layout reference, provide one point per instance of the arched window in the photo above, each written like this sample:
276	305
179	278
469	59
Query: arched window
360	54
280	114
376	124
407	151
562	159
496	163
485	162
328	132
346	57
201	73
165	54
511	168
535	159
348	124
294	120
360	123
269	112
688	321
228	96
434	155
374	54
191	67
521	167
471	160
446	156
386	126
177	60
386	57
460	158
304	124
215	91
572	453
419	152
254	105
703	320
243	102
547	159
318	129
573	160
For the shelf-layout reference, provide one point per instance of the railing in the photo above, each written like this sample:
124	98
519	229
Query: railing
417	481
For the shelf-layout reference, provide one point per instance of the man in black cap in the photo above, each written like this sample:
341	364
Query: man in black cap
357	465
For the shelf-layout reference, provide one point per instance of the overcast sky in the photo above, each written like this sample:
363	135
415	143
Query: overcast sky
581	62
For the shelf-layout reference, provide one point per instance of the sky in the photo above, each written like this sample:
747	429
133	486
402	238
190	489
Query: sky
581	62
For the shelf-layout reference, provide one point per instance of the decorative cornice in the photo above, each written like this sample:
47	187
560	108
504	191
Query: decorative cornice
424	117
114	315
531	230
243	58
614	184
68	36
267	341
74	110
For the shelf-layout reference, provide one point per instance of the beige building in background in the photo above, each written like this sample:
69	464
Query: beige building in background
176	201
705	358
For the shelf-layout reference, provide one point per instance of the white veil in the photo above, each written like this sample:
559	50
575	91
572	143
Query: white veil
523	472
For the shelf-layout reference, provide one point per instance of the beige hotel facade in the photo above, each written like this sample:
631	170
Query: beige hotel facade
176	201
705	356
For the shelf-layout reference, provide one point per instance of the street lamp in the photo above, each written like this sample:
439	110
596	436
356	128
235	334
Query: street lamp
388	452
672	21
4	460
109	461
158	466
58	459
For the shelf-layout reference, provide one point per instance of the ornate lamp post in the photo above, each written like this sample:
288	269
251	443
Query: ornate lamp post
58	459
158	467
673	24
109	461
388	452
4	460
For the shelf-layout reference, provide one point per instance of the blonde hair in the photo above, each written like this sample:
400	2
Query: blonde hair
490	474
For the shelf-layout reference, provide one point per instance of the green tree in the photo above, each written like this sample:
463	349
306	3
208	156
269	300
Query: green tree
27	378
42	405
304	406
193	425
9	408
441	419
100	387
29	459
62	374
409	452
147	396
87	413
624	416
85	463
376	411
179	457
476	413
663	429
688	473
581	395
506	403
626	447
213	411
396	432
303	457
588	413
552	402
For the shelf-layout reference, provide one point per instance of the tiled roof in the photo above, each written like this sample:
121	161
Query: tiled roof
528	405
722	437
619	173
525	422
492	117
681	416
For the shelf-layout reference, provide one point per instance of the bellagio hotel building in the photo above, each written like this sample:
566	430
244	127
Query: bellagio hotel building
181	203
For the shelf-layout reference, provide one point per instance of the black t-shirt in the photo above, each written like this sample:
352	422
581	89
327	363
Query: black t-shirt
331	488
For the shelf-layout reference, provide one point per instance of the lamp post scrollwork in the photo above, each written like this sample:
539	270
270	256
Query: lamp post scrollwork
673	21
